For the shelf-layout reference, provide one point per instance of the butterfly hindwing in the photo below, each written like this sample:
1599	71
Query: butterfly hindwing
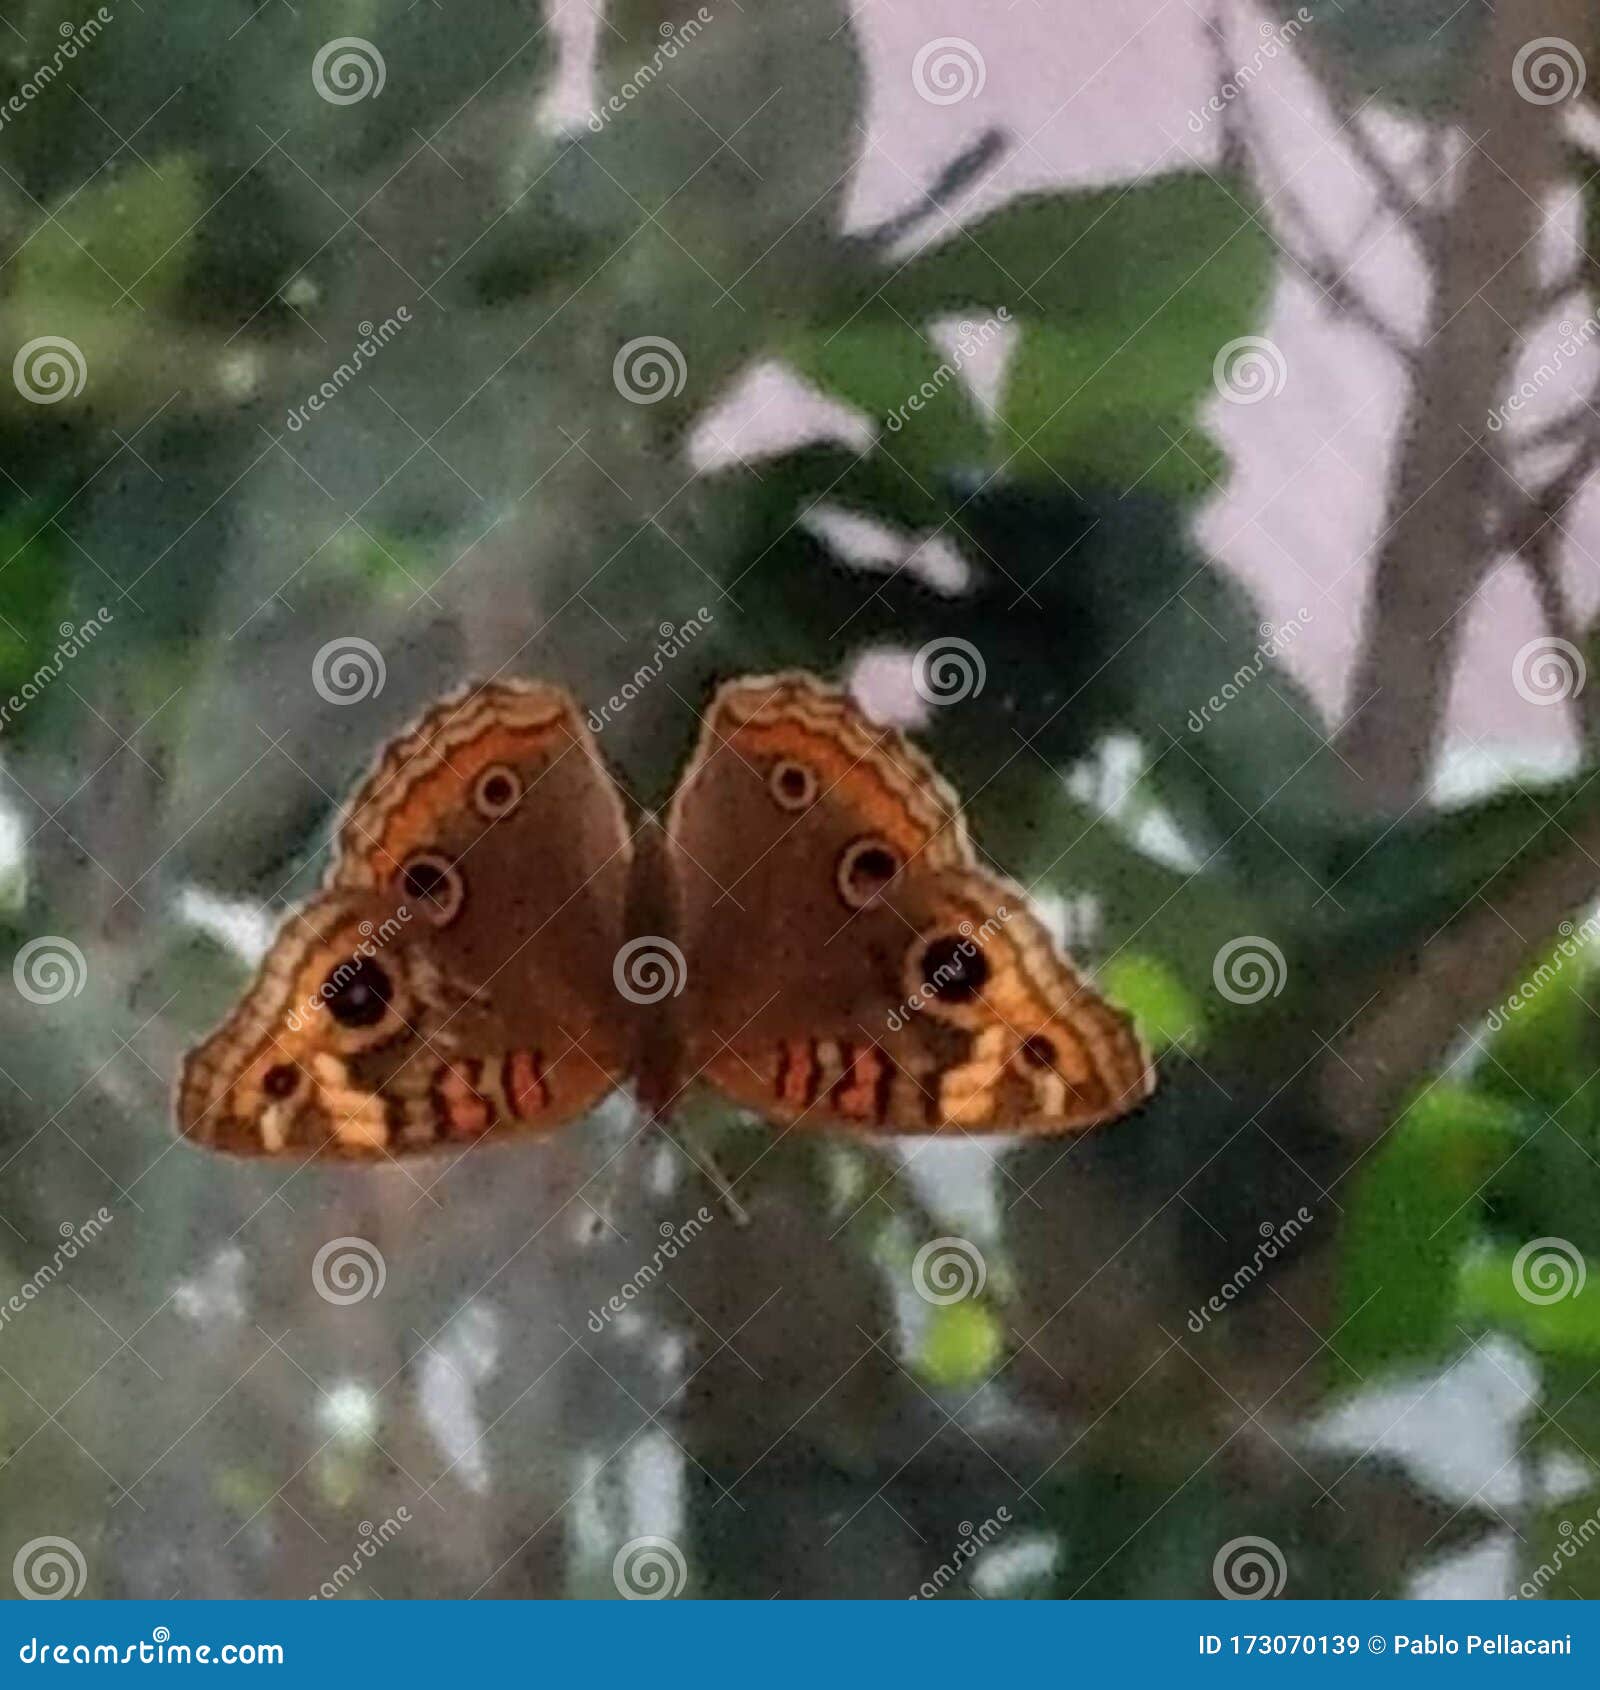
848	960
454	980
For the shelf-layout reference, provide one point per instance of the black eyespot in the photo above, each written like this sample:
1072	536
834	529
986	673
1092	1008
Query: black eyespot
792	784
357	993
1039	1052
435	885
281	1080
497	791
865	867
953	969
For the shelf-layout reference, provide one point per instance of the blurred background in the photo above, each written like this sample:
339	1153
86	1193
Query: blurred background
1184	417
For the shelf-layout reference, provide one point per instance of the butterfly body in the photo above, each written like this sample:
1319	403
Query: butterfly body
808	931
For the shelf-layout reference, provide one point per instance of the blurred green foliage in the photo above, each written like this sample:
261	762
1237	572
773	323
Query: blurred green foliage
486	497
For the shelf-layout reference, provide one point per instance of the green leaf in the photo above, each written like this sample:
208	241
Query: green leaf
962	1345
1109	260
1414	1214
1501	1287
912	393
121	243
1167	1014
1418	57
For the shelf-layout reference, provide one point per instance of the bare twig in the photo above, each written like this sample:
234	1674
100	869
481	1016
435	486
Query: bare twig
959	174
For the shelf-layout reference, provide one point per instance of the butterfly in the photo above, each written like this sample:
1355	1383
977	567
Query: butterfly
808	931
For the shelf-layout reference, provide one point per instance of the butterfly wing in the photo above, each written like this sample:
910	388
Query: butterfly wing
848	961
453	980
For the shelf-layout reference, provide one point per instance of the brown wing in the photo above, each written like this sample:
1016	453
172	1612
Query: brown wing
454	980
848	961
